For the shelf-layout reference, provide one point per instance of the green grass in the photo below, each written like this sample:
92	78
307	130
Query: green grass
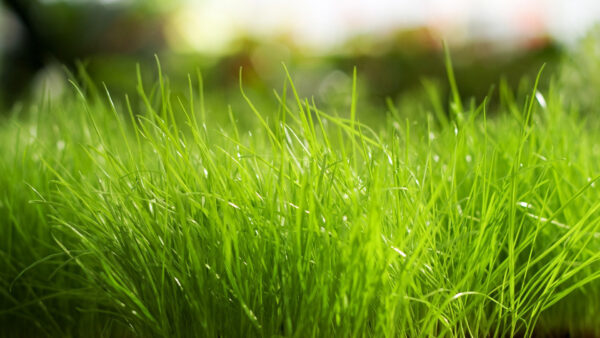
168	217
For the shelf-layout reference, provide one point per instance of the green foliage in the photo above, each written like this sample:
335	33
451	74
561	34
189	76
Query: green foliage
579	73
156	220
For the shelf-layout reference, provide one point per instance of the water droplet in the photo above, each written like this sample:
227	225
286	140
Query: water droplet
525	205
540	99
400	252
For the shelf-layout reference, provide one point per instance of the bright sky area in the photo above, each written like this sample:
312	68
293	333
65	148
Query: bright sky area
324	23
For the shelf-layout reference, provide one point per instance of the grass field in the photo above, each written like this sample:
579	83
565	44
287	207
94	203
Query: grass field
166	216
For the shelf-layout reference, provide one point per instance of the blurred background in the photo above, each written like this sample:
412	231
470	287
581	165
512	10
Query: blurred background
395	45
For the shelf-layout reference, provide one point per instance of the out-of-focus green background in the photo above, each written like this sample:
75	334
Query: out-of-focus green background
396	46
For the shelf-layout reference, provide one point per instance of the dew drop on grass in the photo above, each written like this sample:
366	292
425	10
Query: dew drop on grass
178	283
540	99
205	173
60	145
525	205
431	136
400	252
250	313
468	158
436	158
428	267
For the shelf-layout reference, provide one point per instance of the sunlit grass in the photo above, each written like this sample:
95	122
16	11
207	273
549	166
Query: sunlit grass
152	219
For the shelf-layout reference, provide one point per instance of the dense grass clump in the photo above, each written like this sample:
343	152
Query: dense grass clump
153	219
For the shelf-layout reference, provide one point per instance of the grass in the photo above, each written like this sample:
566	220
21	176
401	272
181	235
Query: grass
167	217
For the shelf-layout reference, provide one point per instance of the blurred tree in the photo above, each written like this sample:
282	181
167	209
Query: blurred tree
64	32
